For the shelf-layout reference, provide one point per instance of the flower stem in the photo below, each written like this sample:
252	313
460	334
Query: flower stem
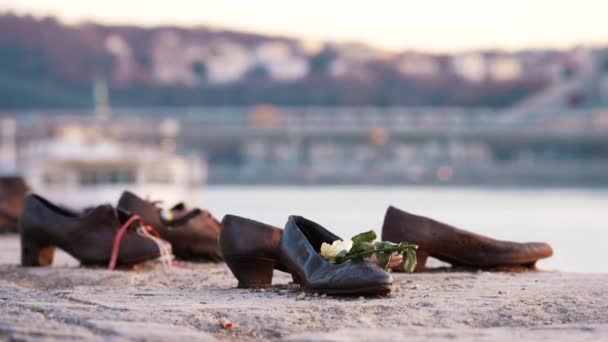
385	249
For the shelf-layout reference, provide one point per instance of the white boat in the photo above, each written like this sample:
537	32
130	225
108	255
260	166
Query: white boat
79	170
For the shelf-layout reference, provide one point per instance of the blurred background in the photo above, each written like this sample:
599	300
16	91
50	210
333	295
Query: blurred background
489	115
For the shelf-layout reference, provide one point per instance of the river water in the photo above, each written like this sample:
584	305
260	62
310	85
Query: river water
573	221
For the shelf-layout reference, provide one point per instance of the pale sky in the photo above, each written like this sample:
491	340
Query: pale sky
438	25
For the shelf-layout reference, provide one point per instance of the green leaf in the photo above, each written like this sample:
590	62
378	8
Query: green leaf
410	260
383	260
369	236
385	244
365	248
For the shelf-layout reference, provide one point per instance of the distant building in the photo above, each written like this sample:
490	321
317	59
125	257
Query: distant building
280	61
310	47
418	65
343	68
504	68
126	67
352	60
358	53
170	64
227	61
471	67
179	62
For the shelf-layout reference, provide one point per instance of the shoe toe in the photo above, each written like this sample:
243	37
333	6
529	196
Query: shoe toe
365	277
539	250
135	249
379	277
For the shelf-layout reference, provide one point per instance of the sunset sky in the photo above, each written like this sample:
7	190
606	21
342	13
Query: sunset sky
438	25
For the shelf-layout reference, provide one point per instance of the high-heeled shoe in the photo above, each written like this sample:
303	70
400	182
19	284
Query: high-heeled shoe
193	234
91	238
251	250
300	245
456	246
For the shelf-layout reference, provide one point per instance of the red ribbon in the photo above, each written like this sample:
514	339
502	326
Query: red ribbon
121	232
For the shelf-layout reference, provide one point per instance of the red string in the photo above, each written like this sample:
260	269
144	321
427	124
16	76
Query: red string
152	231
119	235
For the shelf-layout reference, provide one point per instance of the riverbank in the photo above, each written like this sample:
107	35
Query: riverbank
66	301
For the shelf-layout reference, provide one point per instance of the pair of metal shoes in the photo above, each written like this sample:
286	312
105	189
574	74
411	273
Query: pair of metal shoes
253	250
130	233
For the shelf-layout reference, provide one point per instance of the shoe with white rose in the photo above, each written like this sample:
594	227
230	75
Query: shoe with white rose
300	250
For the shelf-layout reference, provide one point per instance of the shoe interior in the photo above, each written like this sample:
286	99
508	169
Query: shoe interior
58	209
315	233
182	220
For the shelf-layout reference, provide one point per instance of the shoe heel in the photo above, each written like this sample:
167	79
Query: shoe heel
296	279
36	254
251	272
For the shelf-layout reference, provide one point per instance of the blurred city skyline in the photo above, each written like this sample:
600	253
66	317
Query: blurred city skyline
392	25
243	89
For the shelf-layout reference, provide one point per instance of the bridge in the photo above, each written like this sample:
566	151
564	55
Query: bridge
369	145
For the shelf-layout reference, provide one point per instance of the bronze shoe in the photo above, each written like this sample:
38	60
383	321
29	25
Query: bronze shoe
251	250
193	234
300	245
456	246
9	222
89	238
12	195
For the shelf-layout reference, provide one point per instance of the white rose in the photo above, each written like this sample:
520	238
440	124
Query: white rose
167	215
329	252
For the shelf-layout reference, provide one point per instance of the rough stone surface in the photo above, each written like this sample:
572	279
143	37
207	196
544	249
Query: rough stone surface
69	302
